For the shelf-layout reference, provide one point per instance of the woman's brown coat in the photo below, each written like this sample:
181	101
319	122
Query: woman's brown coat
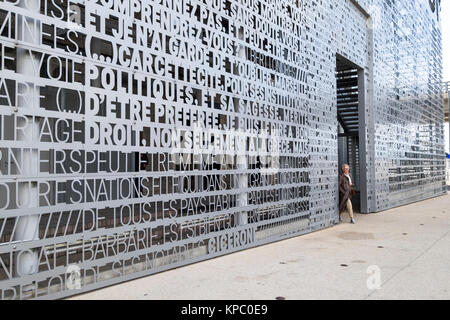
345	191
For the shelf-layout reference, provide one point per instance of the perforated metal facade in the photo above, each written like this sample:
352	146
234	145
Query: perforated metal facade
137	135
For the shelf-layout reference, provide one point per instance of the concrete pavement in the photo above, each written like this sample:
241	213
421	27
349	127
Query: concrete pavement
409	246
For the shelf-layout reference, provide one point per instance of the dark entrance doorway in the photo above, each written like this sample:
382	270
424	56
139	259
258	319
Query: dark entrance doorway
351	126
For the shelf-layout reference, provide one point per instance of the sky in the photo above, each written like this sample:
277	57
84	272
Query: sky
445	20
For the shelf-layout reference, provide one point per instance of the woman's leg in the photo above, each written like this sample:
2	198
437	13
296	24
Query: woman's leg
350	208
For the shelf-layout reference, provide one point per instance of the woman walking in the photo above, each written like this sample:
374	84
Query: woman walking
345	192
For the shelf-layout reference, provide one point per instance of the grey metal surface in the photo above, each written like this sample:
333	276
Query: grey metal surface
446	101
138	136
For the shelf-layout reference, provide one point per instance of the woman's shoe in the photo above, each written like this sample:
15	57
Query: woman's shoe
352	220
